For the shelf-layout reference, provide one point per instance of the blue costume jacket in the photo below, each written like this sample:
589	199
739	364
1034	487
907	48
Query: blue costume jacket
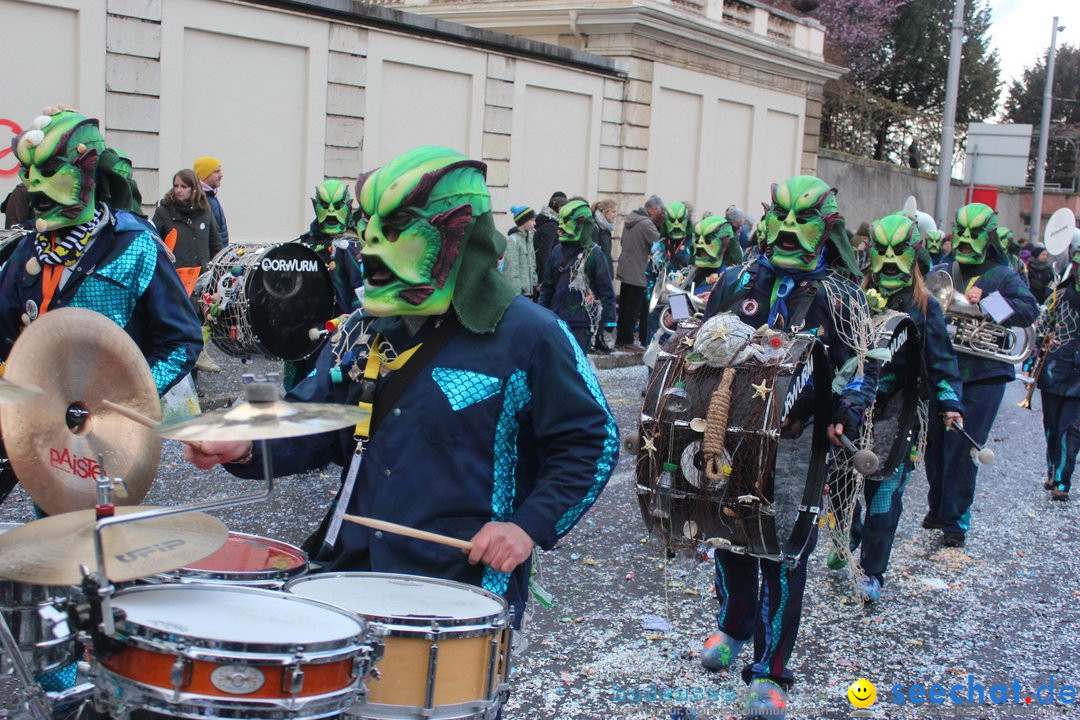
1061	375
126	275
994	277
555	293
509	426
942	374
747	291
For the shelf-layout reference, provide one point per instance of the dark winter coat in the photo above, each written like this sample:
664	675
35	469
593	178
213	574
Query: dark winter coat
1040	274
639	234
197	237
556	295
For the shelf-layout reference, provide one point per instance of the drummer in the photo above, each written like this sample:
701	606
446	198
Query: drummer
791	284
87	252
488	423
895	282
332	236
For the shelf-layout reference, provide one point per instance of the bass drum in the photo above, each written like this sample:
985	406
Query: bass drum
266	299
737	461
899	385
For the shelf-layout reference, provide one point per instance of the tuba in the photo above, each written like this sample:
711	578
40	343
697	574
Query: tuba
971	332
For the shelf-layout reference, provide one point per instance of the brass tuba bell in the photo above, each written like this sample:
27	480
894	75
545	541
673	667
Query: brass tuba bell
971	332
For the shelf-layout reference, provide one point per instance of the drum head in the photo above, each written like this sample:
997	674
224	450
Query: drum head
234	616
399	598
898	393
289	293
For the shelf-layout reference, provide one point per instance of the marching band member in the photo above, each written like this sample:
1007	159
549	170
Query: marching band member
670	254
791	285
488	423
895	283
1059	383
716	246
980	270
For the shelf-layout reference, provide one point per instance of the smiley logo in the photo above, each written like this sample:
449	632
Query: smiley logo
862	693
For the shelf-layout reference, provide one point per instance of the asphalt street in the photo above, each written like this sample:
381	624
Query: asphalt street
627	622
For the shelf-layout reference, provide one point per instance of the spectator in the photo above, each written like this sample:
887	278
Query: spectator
641	230
547	230
520	257
184	214
1040	272
16	207
737	217
209	171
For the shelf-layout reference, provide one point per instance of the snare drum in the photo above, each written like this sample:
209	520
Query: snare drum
38	622
447	644
246	560
197	651
265	299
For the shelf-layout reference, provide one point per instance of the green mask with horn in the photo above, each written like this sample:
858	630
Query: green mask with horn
418	210
893	243
575	222
711	239
934	240
58	159
976	225
333	205
676	221
797	221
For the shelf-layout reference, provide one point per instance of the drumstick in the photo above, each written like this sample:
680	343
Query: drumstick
408	531
131	414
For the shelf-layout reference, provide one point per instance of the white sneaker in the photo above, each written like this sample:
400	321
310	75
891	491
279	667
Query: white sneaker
206	363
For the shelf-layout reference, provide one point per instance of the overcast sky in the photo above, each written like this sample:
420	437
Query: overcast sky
1021	31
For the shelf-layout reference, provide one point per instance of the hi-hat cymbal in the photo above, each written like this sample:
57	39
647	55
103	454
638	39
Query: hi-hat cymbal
12	392
264	421
79	358
49	551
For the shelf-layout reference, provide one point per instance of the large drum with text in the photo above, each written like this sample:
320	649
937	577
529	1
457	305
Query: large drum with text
267	300
732	446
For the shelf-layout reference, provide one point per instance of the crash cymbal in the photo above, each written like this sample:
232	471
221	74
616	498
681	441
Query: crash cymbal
49	551
79	358
264	421
13	392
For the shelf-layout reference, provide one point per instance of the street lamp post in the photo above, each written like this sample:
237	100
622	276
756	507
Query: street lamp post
1044	132
948	121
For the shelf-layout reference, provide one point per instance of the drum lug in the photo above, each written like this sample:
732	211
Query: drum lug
292	680
181	673
433	657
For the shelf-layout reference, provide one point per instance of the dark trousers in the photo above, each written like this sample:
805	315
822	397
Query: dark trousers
583	335
950	466
632	309
884	503
769	609
1061	423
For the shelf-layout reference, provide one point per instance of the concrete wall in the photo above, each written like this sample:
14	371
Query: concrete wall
869	190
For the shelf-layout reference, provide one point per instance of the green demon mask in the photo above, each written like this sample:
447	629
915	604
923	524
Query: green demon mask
58	158
418	210
676	221
1008	241
712	236
893	243
333	205
975	225
576	222
934	240
796	224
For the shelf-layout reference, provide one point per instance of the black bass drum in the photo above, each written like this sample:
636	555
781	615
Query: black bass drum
899	386
266	299
733	455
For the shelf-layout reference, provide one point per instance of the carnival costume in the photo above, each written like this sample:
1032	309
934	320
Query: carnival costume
670	255
950	467
1059	382
891	285
577	285
791	286
502	420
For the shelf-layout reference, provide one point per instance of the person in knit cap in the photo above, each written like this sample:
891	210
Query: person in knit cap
209	171
519	260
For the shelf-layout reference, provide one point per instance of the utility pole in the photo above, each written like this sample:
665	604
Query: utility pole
1044	132
948	132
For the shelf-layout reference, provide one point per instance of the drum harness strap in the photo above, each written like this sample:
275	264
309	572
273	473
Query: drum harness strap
799	308
405	367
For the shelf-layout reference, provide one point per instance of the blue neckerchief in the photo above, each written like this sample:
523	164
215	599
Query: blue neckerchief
788	280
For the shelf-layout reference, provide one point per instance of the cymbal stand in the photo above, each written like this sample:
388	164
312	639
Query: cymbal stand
34	695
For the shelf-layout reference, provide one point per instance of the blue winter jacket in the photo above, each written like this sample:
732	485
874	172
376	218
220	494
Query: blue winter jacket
555	292
126	275
1061	374
508	426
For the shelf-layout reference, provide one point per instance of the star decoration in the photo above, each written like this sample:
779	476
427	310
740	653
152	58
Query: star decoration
650	445
720	333
687	341
761	391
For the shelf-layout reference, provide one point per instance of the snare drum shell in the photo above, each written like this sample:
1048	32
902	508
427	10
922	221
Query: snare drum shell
471	657
247	560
